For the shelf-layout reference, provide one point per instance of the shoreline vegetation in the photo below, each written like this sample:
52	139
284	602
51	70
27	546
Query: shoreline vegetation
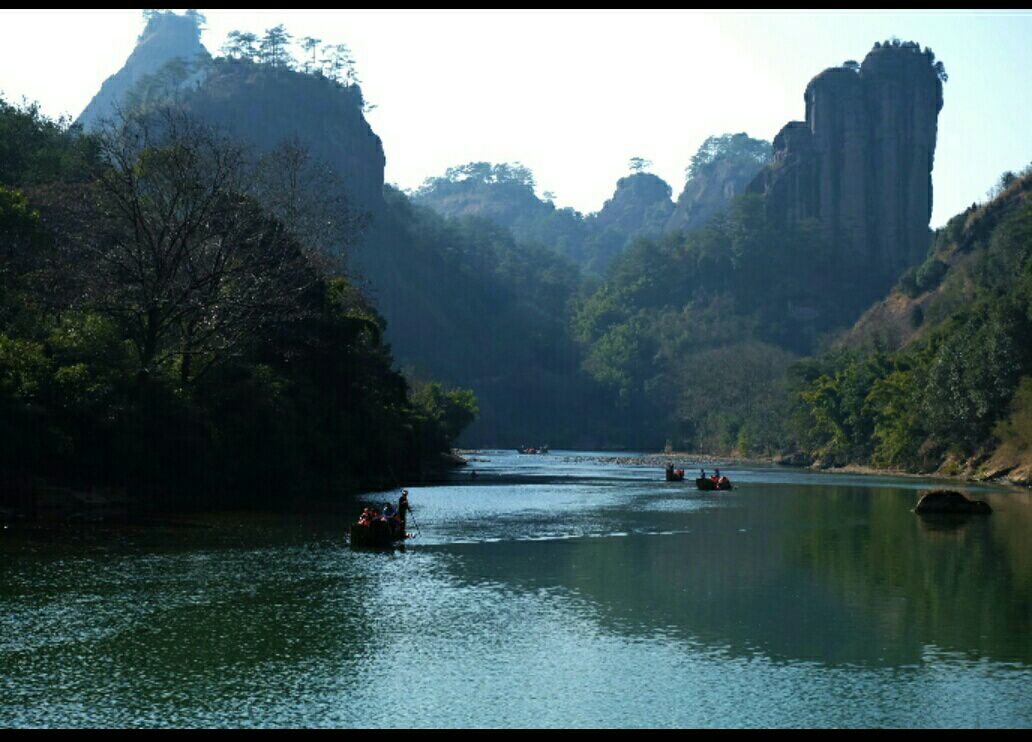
186	317
177	329
661	459
147	518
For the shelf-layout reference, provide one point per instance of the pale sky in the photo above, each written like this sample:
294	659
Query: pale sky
573	95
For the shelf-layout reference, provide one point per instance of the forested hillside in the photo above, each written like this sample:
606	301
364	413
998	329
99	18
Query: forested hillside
719	322
641	205
464	302
695	332
938	376
166	326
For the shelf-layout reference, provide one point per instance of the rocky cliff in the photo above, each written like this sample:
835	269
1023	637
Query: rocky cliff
723	168
266	106
504	195
261	104
640	203
861	162
166	37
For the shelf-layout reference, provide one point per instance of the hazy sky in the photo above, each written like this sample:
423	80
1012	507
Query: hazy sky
573	95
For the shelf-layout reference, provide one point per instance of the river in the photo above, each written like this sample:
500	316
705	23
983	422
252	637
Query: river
562	590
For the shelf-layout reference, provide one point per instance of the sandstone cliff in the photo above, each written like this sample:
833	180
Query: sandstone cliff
267	106
723	168
261	104
861	162
166	37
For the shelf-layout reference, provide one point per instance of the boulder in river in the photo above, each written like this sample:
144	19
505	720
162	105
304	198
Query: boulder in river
948	502
794	459
452	459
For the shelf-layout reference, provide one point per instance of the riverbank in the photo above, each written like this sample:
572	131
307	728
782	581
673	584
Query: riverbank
42	504
992	471
1016	476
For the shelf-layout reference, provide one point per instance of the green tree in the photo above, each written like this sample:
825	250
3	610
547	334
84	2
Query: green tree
183	259
639	165
739	147
339	64
273	47
240	45
311	46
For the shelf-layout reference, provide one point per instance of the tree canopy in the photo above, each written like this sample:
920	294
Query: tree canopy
169	325
740	147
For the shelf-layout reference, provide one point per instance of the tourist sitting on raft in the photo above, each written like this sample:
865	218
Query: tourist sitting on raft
394	517
719	480
367	517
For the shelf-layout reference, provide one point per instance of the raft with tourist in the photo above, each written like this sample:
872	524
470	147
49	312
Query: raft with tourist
531	451
712	483
381	529
704	483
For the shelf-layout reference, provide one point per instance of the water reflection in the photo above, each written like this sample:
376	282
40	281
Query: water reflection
581	593
836	575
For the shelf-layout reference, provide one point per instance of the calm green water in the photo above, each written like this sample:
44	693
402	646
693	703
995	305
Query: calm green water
552	591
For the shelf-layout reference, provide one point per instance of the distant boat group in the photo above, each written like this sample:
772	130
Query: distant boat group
530	450
707	484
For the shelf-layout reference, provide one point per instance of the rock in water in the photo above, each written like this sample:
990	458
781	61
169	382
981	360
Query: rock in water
948	502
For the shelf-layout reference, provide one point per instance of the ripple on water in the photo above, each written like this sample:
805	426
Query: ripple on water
608	600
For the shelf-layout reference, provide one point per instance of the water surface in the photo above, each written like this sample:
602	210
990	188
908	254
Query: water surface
559	590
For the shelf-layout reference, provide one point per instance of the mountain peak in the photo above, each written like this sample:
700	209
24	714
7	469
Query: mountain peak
167	36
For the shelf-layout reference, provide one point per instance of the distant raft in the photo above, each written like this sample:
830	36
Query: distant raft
708	485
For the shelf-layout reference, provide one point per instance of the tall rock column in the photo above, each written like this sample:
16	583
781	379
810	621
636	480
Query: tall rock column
904	96
861	163
838	120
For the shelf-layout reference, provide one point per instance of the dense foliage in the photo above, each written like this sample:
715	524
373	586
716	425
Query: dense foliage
690	330
714	335
960	389
472	306
504	195
165	326
732	149
632	327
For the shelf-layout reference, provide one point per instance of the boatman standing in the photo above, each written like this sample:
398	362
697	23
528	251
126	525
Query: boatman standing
403	508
